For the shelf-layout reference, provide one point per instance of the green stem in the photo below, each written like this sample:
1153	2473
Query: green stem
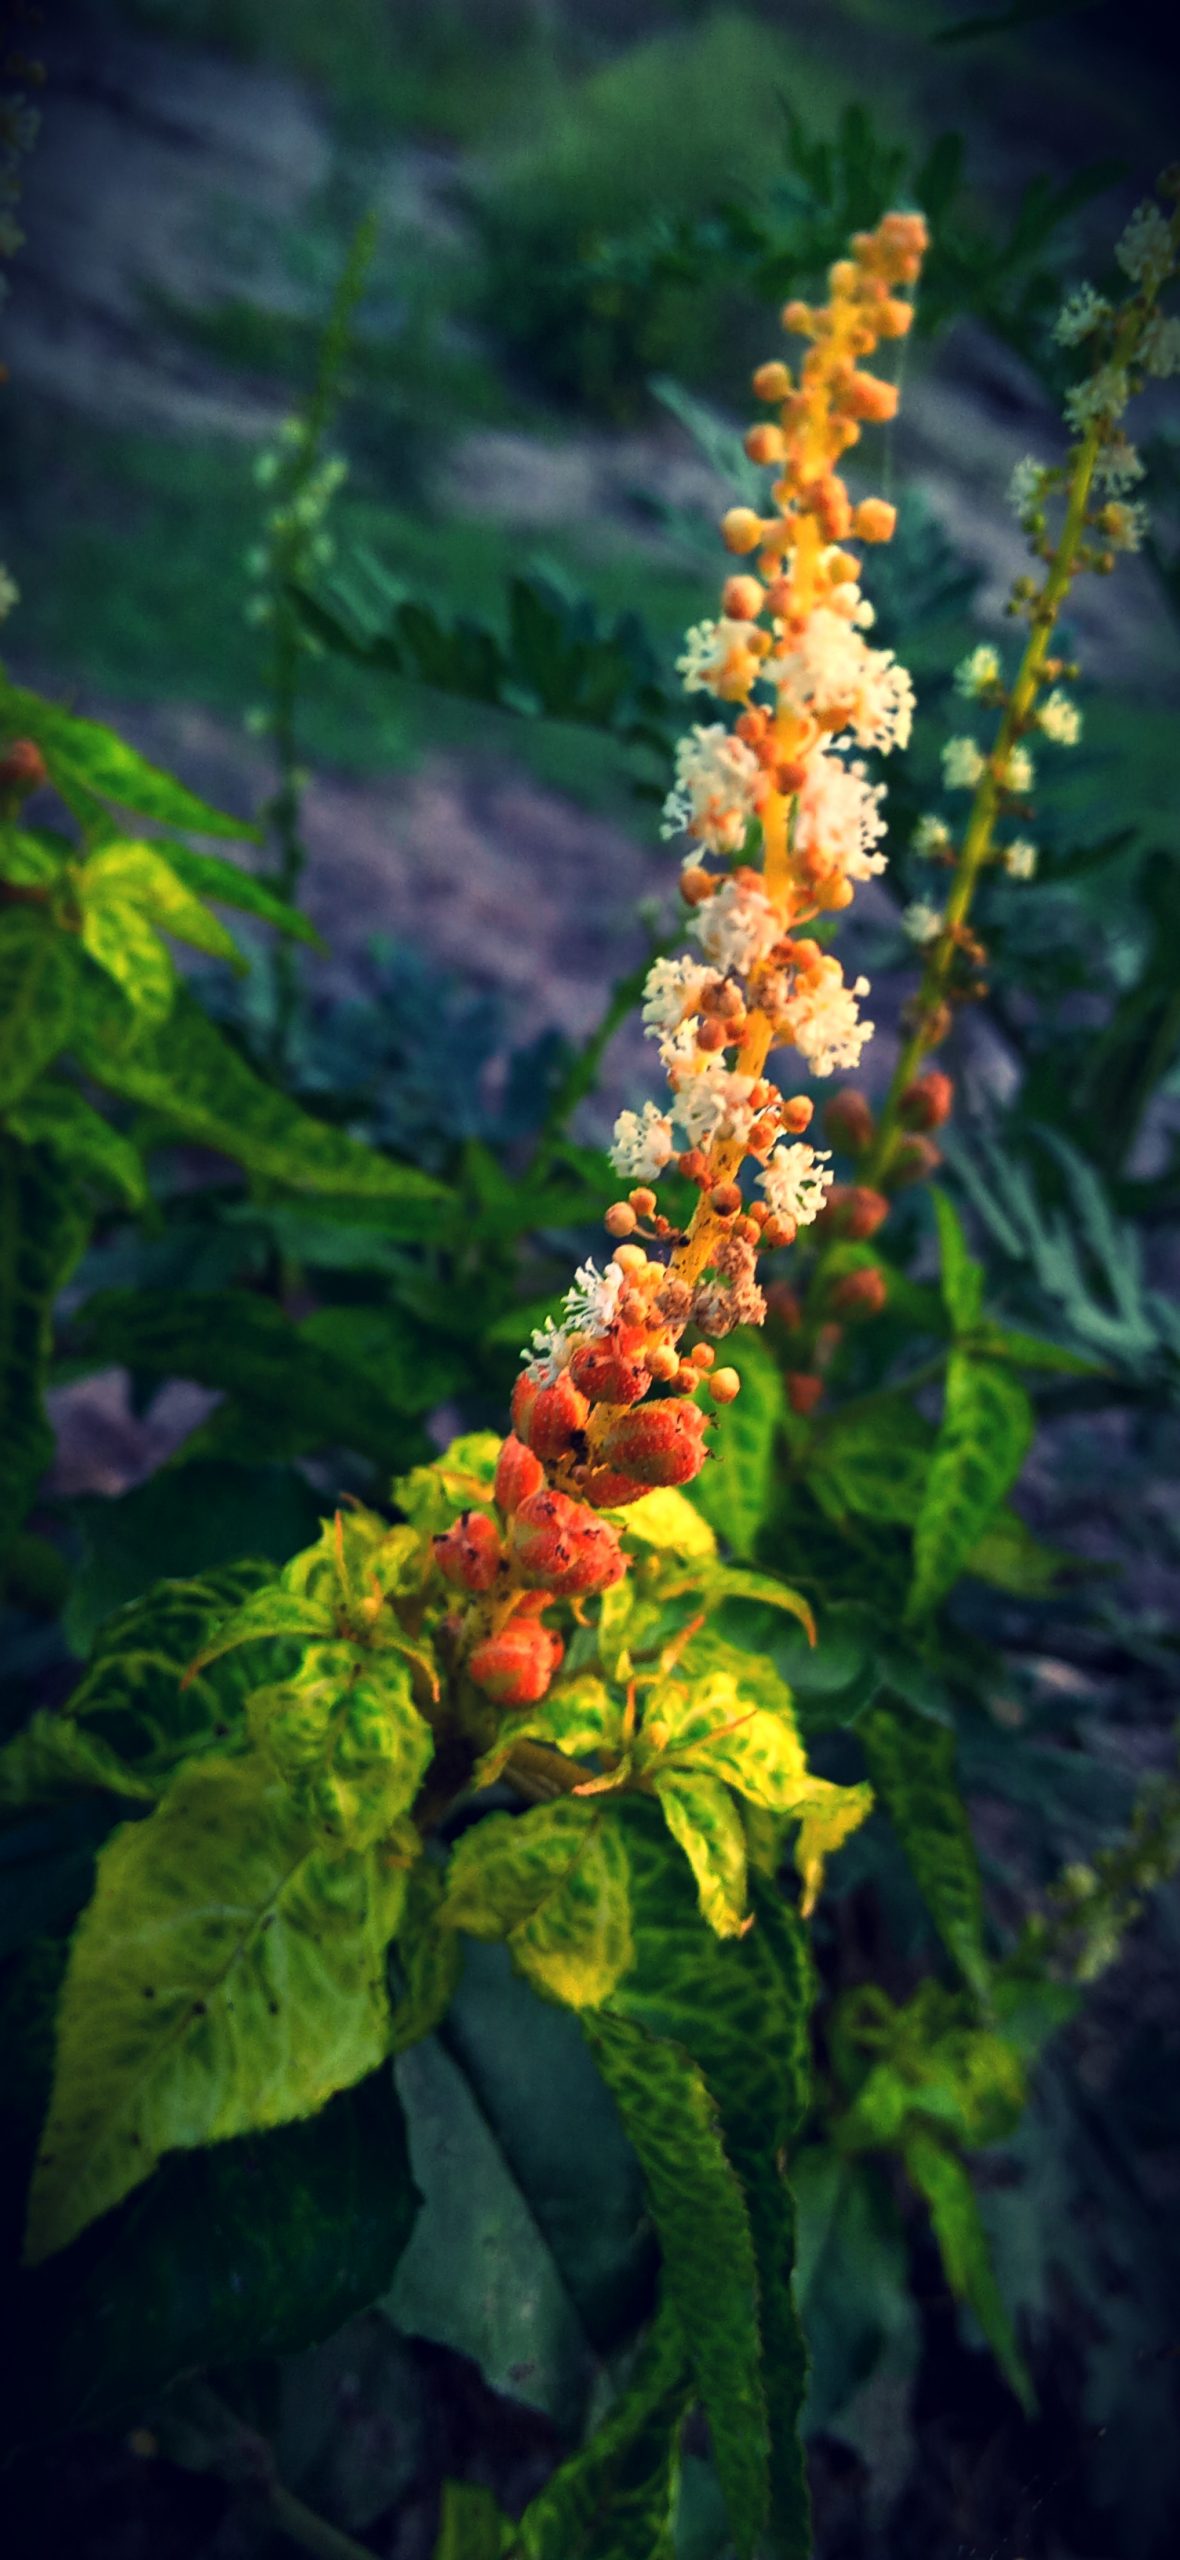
313	2533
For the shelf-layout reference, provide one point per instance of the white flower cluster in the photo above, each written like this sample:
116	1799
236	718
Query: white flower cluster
962	764
976	673
1118	466
737	926
824	1018
1125	525
921	922
1080	313
1103	398
720	786
839	817
1019	772
1019	859
714	1102
795	1180
721	657
671	990
1059	719
591	1304
642	1144
931	837
1145	251
1028	487
1159	346
832	673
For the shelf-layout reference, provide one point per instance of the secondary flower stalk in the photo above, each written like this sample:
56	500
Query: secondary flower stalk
783	820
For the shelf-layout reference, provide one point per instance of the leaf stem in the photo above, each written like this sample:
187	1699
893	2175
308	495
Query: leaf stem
313	2533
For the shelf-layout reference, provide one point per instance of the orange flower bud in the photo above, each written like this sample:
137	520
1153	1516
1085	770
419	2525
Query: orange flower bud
702	1355
803	1391
859	1293
741	529
867	397
913	1161
772	382
516	1666
620	1219
874	520
630	1258
694	1165
548	1418
518	1473
724	1385
894	319
848	1120
726	1200
798	1113
643	1200
742	598
469	1553
559	1546
663	1362
658	1443
797	316
22	767
765	444
854	1210
928	1101
696	885
712	1034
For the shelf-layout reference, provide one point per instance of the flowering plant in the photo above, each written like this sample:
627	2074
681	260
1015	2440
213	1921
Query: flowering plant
565	1702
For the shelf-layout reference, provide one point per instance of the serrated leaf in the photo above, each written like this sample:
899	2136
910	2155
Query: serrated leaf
912	1767
1028	1351
666	1520
86	758
702	1817
578	1717
54	1115
42	1232
209	875
38	996
961	1275
273	1612
738	1582
138	875
258	2246
426	1960
32	860
986	1429
706	2246
614	2499
346	1738
962	2245
875	1465
53	1756
134	1694
552	1882
462	1479
735	1490
227	1977
201	1087
124	942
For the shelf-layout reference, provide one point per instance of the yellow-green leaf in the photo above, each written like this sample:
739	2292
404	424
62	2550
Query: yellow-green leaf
577	1717
667	1520
962	2245
227	1976
270	1612
827	1817
124	942
346	1738
735	1491
138	875
702	1816
553	1883
52	1114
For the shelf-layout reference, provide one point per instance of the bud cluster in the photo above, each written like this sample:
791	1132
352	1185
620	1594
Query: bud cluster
782	821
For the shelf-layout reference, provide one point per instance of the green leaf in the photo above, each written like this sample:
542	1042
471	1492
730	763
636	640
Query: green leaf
227	1977
614	2500
184	1521
207	1093
912	1767
737	1582
426	1960
854	2285
706	2246
962	1277
139	1696
54	1115
38	994
42	1232
124	942
553	1883
735	1490
875	1465
345	1736
578	1717
32	861
1028	1351
269	1613
962	2245
667	1521
1009	1557
702	1816
471	2526
259	2246
209	875
137	875
53	1756
987	1426
86	758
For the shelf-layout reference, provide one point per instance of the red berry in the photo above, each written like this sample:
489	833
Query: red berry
914	1160
548	1418
659	1443
518	1473
859	1293
611	1370
516	1666
559	1546
849	1121
22	766
469	1552
803	1391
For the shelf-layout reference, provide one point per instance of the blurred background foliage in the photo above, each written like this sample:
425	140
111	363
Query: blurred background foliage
586	215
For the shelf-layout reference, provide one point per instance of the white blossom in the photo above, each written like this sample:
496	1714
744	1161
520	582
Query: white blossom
823	1019
714	1103
1118	465
1081	312
1159	346
1019	770
795	1180
931	837
981	668
1105	395
591	1304
1125	524
831	672
962	764
737	926
1027	488
642	1143
839	817
547	1354
671	990
1060	719
921	922
9	593
722	657
1019	859
719	787
1145	251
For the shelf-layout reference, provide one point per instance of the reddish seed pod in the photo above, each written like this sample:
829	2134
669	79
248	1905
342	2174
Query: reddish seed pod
469	1552
612	1370
559	1546
803	1391
848	1121
913	1161
548	1418
22	767
516	1666
659	1443
608	1490
855	1210
928	1101
518	1473
859	1293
